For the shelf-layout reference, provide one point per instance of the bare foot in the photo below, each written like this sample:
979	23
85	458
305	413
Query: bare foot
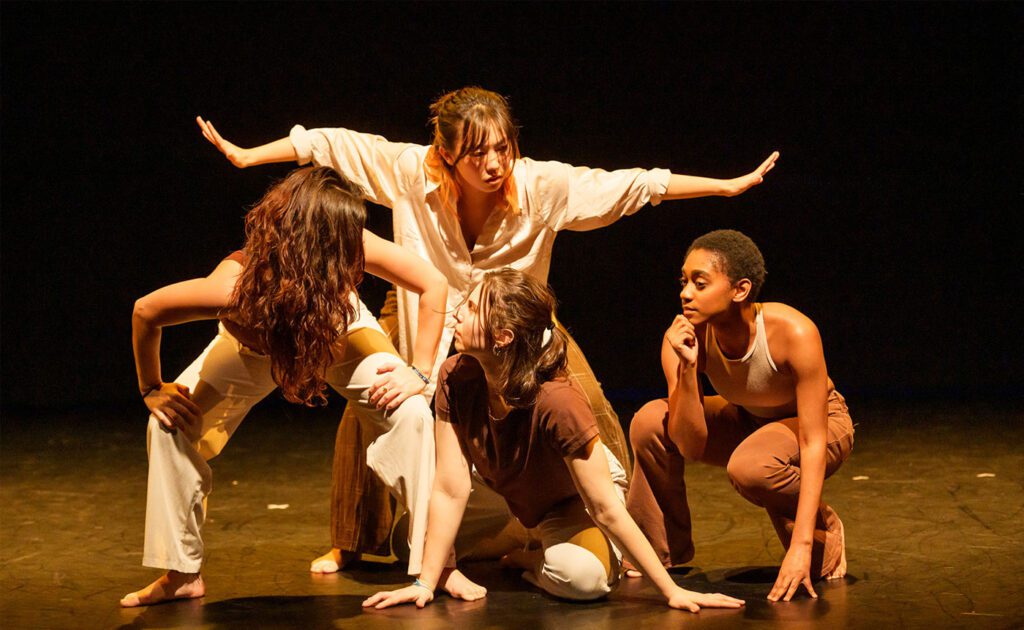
456	584
526	559
170	586
333	561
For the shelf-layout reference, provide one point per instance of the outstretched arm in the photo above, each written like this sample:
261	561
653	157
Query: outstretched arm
589	468
689	186
395	264
370	161
447	504
201	298
276	151
581	198
806	359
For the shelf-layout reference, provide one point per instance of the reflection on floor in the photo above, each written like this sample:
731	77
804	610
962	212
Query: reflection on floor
932	500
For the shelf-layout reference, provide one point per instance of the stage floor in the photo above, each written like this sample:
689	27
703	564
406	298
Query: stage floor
932	501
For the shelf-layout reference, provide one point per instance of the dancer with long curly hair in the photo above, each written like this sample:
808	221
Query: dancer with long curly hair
289	317
469	204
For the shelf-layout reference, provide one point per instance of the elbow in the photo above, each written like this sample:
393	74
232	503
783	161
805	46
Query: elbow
142	313
435	293
813	453
691	454
607	515
455	491
689	445
439	285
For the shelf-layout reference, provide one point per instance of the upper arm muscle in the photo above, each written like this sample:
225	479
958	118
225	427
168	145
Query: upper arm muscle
396	264
191	300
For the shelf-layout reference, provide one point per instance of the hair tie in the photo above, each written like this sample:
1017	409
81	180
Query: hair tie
545	338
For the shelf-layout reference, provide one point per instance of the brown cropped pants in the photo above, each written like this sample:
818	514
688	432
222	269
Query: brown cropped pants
763	463
362	511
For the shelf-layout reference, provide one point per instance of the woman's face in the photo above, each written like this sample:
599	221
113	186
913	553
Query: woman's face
486	167
469	326
706	290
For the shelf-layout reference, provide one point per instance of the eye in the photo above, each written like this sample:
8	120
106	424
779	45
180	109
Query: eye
682	282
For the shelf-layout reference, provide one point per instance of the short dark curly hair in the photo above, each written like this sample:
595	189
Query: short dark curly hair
736	255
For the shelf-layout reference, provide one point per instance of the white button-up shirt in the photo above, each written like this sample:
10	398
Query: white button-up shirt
552	196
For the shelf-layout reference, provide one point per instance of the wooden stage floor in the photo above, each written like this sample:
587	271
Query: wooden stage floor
932	500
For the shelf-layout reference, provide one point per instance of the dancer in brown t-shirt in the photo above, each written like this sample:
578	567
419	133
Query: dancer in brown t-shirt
506	408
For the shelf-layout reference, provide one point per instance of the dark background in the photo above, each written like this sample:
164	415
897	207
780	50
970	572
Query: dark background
888	219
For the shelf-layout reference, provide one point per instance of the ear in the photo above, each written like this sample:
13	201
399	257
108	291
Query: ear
742	290
447	157
503	338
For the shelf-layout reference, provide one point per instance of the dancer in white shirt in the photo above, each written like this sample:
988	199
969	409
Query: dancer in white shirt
469	204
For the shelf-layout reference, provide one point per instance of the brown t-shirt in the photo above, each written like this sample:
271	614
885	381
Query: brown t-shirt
520	456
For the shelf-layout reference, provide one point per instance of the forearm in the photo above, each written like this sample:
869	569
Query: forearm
623	531
692	186
429	326
443	520
270	153
686	425
146	346
812	478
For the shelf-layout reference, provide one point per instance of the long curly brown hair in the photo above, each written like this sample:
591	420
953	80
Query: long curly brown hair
304	259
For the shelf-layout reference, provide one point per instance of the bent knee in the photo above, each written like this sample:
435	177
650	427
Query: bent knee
413	414
572	572
750	474
648	425
156	433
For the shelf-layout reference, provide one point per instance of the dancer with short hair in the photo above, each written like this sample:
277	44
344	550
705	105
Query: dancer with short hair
777	424
516	431
290	317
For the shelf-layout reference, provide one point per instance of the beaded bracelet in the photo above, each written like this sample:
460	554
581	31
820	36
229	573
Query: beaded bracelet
423	377
420	584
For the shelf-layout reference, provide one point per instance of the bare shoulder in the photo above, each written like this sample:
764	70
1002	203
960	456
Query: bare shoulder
791	323
227	267
223	277
793	338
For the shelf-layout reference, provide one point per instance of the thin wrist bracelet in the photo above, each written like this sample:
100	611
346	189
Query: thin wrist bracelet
423	377
149	390
421	584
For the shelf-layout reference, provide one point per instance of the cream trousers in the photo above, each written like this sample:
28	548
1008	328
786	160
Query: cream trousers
226	380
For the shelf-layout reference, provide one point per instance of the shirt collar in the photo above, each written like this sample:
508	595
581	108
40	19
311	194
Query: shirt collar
429	185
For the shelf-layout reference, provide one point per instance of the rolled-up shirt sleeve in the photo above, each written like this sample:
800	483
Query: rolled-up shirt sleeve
580	198
382	168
